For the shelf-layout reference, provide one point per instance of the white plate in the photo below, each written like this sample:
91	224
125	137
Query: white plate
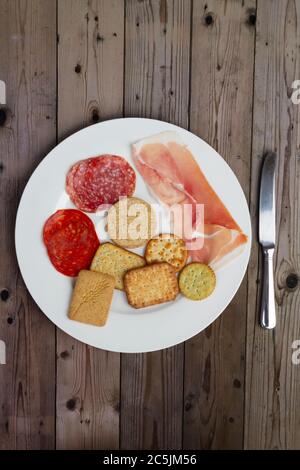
127	330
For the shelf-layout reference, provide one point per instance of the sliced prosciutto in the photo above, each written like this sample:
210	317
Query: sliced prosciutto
218	242
175	178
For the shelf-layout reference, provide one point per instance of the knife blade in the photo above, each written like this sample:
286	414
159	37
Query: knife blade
267	202
267	239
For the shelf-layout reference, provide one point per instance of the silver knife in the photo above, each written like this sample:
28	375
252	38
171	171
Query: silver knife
267	239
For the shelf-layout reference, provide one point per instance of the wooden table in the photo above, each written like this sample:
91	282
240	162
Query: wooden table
223	69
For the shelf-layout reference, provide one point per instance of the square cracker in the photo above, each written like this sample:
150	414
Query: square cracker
92	298
116	261
151	285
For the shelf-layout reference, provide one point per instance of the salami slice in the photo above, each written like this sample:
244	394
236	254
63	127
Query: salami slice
71	241
99	181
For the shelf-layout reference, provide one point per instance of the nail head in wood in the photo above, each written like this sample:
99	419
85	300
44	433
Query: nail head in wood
252	19
3	116
188	406
4	295
95	115
71	404
208	19
292	281
237	383
64	354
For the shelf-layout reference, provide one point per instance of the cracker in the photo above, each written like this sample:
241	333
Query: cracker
197	281
116	261
92	298
167	248
153	284
131	222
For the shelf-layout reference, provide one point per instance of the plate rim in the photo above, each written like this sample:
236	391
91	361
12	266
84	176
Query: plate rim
170	343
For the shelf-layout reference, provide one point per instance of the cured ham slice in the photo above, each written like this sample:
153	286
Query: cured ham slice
218	242
173	175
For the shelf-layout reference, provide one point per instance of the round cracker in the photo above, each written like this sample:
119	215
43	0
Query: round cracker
197	281
167	248
131	222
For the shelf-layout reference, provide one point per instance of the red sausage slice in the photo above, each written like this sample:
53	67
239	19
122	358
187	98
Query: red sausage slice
99	181
71	241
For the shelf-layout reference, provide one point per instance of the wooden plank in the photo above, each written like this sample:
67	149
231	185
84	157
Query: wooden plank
27	130
90	88
157	86
221	105
272	415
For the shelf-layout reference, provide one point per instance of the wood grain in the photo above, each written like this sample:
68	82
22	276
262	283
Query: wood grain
90	88
221	107
77	57
157	86
272	415
27	130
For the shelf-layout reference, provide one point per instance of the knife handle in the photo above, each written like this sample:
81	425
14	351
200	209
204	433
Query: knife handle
268	313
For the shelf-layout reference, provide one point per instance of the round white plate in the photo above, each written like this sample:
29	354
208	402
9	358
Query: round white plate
127	330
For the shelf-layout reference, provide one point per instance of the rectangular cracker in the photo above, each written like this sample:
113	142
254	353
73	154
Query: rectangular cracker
92	298
150	285
116	261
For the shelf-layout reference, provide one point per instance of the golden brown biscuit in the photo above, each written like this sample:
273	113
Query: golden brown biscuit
167	248
91	298
197	281
151	285
131	222
116	261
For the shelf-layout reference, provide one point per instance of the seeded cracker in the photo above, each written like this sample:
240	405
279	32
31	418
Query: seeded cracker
197	281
